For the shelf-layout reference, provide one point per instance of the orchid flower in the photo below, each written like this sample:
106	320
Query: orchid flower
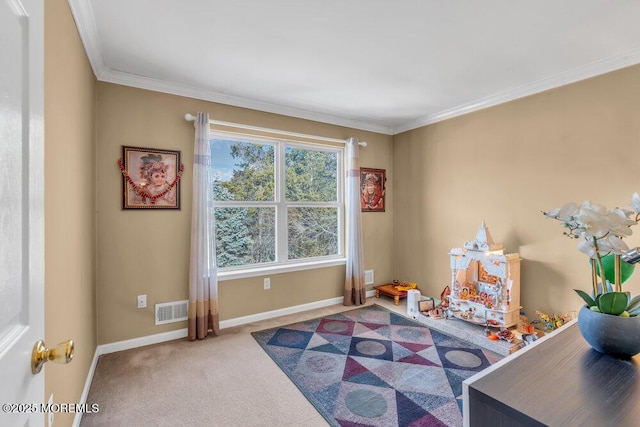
597	225
600	231
635	203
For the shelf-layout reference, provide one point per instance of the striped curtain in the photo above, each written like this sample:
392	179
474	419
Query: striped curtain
203	281
354	288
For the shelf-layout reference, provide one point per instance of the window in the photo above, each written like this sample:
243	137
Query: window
277	203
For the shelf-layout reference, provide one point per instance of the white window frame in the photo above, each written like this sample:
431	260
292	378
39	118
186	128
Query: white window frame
282	264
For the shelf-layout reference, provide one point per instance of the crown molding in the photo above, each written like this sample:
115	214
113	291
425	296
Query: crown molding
572	76
83	16
562	79
127	79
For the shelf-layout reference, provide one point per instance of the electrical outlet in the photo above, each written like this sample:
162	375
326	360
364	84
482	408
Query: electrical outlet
50	413
142	301
267	283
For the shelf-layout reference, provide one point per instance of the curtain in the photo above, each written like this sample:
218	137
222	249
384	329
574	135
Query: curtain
354	288
203	312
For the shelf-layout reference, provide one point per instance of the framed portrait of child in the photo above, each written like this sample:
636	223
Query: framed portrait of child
151	178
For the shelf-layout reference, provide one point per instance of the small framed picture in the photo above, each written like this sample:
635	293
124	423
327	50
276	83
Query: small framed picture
151	178
372	189
426	305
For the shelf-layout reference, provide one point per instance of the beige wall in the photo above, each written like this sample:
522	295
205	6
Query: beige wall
147	251
505	165
70	237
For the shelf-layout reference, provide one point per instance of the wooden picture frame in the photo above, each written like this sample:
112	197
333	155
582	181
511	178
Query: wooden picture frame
151	178
372	189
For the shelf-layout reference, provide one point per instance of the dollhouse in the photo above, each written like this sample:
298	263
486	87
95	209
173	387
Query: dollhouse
485	282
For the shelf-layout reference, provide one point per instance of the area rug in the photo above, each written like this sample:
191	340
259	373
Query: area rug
373	367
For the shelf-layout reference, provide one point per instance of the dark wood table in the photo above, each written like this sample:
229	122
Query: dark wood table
558	381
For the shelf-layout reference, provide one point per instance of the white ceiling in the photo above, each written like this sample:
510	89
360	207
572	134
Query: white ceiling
380	65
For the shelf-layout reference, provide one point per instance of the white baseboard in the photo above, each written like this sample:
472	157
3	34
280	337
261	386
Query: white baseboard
181	333
87	386
283	311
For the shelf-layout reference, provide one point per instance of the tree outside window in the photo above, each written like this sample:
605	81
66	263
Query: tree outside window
275	201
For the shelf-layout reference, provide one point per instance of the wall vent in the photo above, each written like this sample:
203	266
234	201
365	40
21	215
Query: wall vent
169	312
368	277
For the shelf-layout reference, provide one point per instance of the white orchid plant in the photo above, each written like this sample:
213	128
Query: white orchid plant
601	231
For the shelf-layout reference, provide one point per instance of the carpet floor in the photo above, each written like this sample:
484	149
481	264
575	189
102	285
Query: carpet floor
373	367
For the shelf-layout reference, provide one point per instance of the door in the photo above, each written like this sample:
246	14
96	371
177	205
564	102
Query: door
21	208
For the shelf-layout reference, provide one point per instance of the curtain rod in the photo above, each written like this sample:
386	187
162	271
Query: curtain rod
191	117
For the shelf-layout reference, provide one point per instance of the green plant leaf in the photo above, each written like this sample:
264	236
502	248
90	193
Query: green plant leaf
612	302
586	297
608	264
634	306
634	313
608	287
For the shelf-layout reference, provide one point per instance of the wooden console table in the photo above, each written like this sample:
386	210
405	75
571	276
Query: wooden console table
558	381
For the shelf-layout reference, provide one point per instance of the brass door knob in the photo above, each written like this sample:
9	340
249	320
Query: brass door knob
61	353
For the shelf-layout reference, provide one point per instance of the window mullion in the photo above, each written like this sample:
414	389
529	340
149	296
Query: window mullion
281	207
341	183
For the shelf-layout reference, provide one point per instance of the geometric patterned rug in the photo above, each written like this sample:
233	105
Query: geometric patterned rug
373	367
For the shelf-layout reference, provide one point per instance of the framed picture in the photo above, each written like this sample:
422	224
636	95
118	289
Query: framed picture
150	178
426	305
372	191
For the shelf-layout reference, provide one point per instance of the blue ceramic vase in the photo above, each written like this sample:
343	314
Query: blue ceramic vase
613	335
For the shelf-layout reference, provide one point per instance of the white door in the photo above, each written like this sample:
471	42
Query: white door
21	209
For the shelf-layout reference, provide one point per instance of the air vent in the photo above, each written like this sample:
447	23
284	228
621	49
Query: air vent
169	312
368	277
